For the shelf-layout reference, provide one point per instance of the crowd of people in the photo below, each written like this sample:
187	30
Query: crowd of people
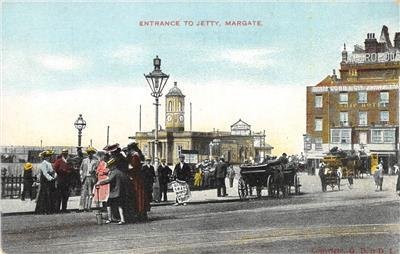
208	172
119	178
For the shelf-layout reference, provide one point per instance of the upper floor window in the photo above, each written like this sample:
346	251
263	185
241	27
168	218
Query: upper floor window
341	136
343	98
318	124
384	116
344	118
362	97
382	136
384	97
362	118
170	106
353	72
318	101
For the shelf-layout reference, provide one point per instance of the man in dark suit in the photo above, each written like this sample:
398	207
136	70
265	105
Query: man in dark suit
182	173
164	174
220	174
182	170
63	170
148	179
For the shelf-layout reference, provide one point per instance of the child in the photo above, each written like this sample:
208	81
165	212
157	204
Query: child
115	179
28	181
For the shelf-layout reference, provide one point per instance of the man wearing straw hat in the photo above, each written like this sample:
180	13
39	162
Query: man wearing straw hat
88	179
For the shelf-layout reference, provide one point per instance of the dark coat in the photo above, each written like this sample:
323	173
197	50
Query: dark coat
164	173
182	174
148	175
221	170
63	170
28	176
117	180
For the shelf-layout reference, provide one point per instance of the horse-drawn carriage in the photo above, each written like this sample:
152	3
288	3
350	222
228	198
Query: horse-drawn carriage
274	175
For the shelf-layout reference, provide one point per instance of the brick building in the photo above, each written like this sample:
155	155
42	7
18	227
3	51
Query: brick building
360	109
236	145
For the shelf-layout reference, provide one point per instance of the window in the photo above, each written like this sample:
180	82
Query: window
362	97
335	136
318	143
318	124
343	98
318	101
388	136
353	72
383	136
362	118
344	118
384	116
341	136
376	136
170	106
384	97
180	106
345	137
179	149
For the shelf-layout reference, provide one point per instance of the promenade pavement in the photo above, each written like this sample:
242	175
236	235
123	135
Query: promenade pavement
16	206
309	185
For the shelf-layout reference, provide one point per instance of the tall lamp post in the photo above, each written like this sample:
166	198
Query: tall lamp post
80	124
157	81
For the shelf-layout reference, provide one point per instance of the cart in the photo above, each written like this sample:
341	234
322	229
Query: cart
331	178
272	175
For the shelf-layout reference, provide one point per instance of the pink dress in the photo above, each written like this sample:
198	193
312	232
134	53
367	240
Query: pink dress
104	190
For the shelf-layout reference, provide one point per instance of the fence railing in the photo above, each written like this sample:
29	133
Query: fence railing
12	186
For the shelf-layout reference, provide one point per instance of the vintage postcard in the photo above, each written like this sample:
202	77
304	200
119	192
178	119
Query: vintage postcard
200	127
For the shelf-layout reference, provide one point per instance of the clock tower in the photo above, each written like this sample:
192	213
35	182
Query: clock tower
175	110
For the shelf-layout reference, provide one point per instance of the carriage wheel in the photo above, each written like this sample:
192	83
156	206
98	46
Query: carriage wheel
296	185
242	189
269	185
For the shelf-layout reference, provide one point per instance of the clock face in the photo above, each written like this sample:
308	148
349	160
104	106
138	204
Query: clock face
169	118
181	118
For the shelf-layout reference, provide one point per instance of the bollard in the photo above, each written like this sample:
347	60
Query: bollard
99	217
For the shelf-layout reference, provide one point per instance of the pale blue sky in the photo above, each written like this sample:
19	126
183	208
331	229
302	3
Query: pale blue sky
89	58
302	41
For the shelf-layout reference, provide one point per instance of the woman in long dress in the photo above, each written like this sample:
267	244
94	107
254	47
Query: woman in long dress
46	202
135	158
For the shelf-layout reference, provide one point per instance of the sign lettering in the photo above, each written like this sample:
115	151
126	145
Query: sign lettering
322	89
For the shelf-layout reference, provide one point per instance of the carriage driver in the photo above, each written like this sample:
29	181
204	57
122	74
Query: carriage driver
283	160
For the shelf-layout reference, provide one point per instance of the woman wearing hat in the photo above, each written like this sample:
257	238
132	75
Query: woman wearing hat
46	197
28	181
135	158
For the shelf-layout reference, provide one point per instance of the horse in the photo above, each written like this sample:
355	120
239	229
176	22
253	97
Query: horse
278	181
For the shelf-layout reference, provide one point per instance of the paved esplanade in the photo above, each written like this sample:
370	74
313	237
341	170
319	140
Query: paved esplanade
350	221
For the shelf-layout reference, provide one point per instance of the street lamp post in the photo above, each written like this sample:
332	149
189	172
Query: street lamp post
80	124
157	81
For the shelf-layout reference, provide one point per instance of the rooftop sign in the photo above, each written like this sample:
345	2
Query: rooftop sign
357	58
322	89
